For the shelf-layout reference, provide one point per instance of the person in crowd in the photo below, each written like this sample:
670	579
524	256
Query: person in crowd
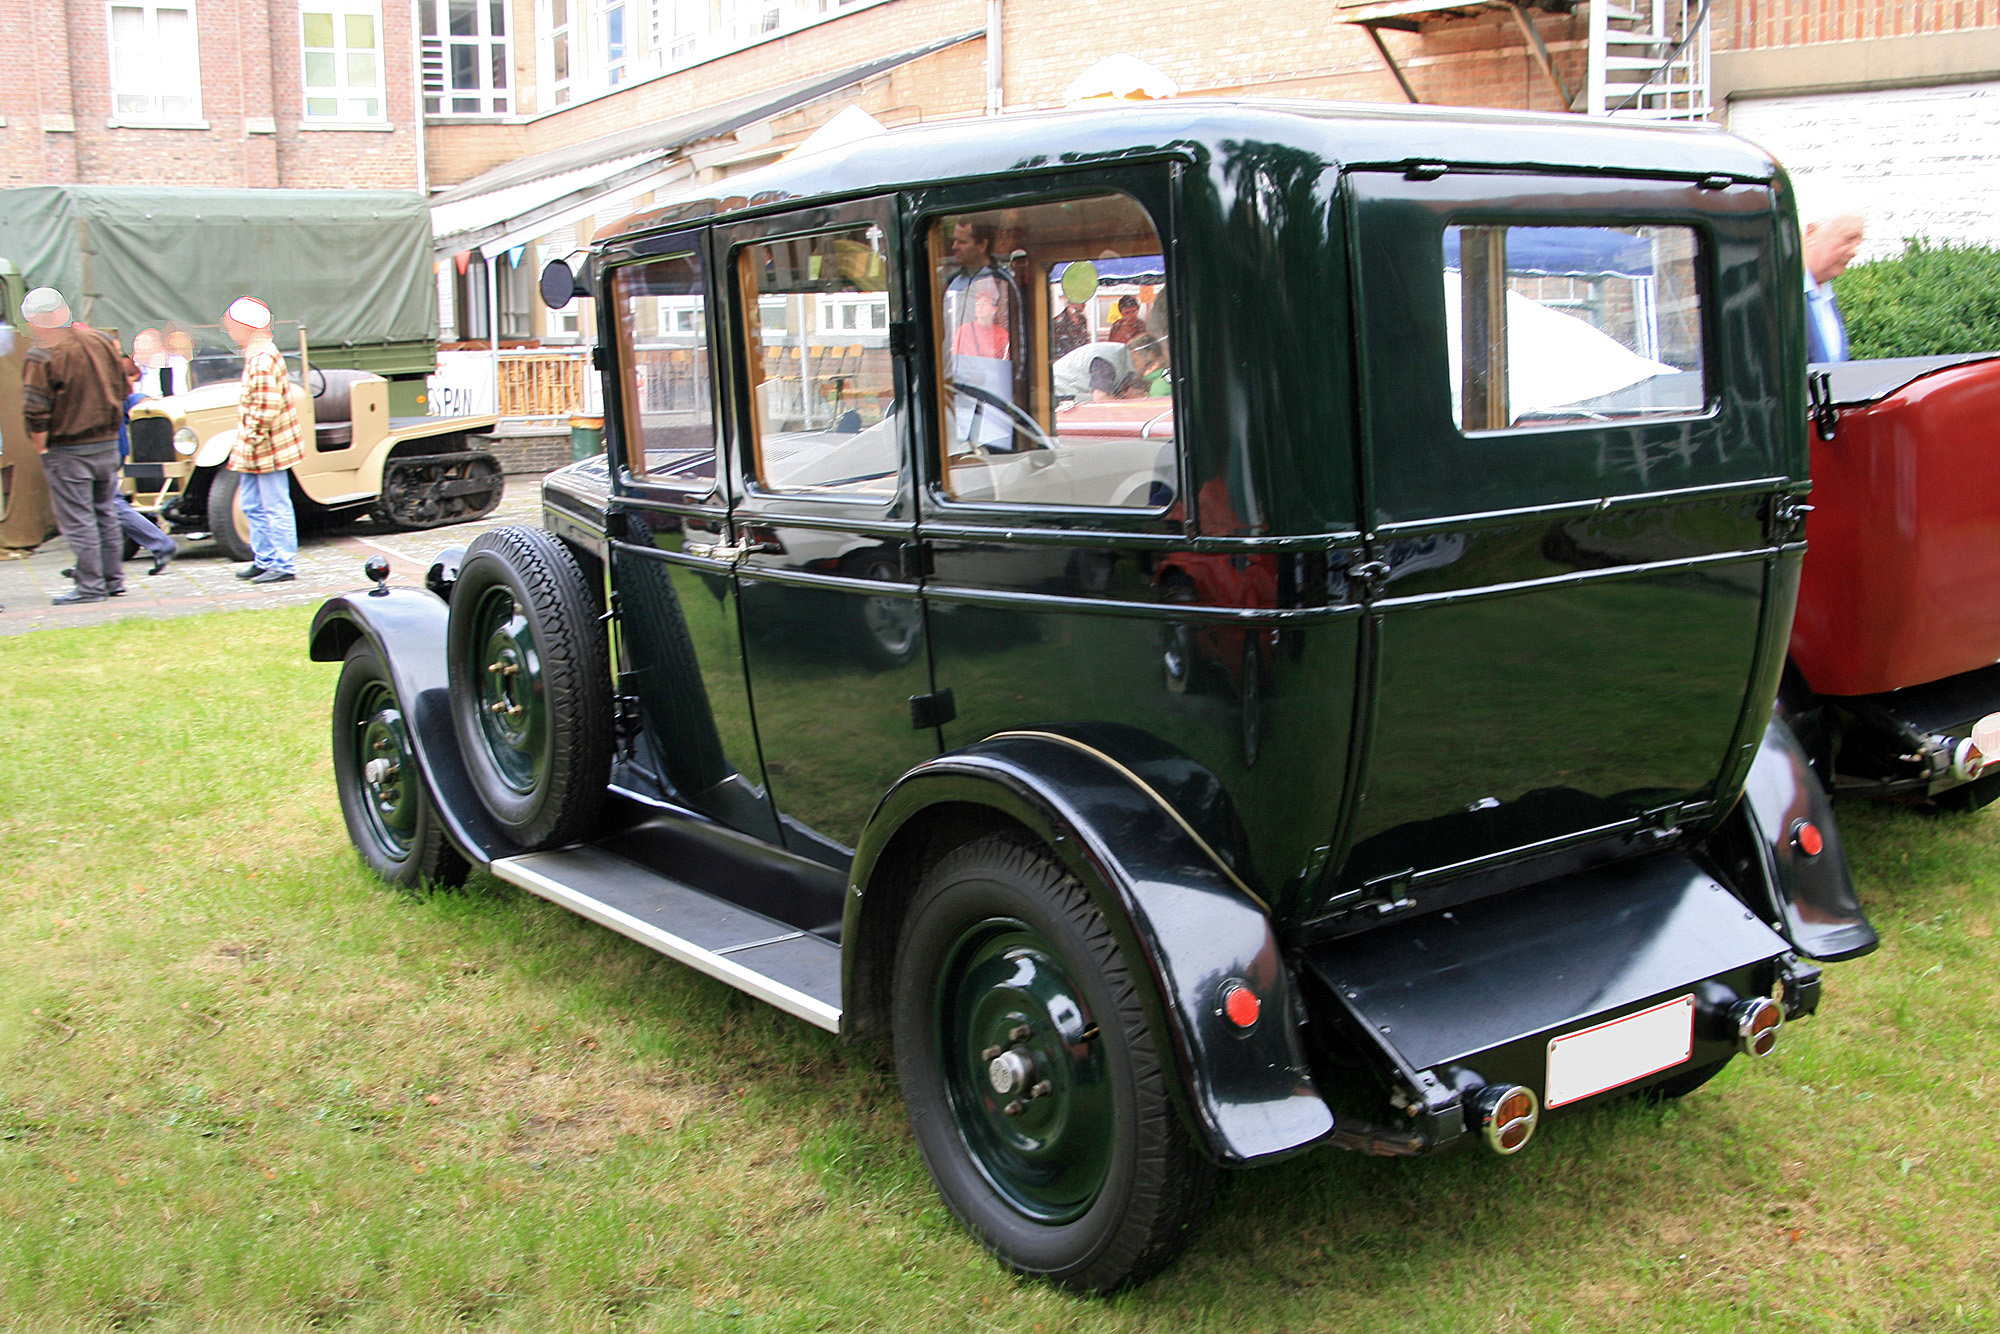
269	444
982	335
1830	246
1149	368
130	522
1128	325
73	399
1072	329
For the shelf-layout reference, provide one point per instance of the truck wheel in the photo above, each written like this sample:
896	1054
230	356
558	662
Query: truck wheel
530	685
382	794
1031	1077
227	523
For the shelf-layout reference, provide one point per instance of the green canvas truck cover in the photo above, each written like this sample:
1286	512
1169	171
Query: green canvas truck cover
353	266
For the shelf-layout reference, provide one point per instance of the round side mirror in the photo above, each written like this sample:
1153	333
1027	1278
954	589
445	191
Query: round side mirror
558	284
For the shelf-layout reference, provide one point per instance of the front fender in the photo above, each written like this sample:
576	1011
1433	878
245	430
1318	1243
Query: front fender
407	628
214	452
1811	899
1183	918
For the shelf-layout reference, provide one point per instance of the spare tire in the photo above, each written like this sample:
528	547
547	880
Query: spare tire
530	686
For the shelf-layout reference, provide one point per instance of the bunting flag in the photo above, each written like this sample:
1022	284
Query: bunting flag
514	255
462	258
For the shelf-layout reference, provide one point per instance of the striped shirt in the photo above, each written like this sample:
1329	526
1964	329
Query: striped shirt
268	436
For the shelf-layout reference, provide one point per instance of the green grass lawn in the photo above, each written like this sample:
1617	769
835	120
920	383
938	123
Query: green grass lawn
245	1087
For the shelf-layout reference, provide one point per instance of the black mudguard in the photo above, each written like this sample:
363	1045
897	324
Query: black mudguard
1178	911
407	628
1809	899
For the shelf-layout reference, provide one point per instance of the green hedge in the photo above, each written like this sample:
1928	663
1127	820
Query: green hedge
1933	298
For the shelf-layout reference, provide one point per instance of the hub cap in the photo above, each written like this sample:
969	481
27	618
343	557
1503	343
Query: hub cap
512	714
387	770
1025	1071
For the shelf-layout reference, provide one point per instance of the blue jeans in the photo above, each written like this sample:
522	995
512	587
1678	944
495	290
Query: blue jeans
274	533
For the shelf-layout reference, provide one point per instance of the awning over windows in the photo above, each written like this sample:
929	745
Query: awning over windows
531	196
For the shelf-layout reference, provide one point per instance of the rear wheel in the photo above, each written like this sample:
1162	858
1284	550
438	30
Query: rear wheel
530	685
1032	1079
383	799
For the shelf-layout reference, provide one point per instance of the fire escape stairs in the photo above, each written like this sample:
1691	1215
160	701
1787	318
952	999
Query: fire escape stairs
1647	59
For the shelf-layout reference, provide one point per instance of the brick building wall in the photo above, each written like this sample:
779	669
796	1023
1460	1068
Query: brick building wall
1746	25
56	99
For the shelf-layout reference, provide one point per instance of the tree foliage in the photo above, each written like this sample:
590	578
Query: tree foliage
1933	298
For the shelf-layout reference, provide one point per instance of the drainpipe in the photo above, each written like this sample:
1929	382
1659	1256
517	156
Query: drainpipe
417	92
493	323
994	99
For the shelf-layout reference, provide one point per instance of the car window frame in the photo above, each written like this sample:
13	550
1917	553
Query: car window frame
1154	186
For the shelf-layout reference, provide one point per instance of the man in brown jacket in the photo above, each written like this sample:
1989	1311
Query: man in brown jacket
73	396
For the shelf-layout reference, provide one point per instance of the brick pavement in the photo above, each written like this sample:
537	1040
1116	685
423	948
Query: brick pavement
203	579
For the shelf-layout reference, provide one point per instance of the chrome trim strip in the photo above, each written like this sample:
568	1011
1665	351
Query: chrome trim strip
791	1001
1158	800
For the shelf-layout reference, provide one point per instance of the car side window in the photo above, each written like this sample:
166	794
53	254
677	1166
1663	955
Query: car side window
824	414
661	308
1552	326
1054	355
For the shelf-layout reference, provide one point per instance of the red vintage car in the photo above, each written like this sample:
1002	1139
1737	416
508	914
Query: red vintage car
1894	679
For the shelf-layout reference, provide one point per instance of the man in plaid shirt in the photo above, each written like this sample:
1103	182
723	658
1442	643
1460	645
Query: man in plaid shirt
269	443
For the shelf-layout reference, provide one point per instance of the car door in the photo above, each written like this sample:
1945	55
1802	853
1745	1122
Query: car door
824	520
679	637
1572	448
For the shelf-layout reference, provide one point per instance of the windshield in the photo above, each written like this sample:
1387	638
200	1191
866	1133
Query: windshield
174	358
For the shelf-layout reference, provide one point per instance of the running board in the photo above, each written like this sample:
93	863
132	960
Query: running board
792	969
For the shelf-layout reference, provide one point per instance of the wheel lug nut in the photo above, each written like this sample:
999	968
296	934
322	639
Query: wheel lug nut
1041	1090
1015	1108
990	1054
1020	1033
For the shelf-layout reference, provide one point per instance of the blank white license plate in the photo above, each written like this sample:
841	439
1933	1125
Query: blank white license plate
1620	1051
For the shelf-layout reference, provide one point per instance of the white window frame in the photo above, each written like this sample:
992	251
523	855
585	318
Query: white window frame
343	94
441	98
150	83
560	92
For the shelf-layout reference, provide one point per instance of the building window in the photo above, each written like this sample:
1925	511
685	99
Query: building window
343	59
155	63
468	57
556	53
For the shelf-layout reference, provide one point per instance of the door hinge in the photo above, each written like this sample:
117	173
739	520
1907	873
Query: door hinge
933	710
917	560
1785	519
1366	580
598	360
900	339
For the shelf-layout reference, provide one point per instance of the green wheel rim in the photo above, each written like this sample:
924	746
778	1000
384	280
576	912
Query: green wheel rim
386	770
1046	1143
513	713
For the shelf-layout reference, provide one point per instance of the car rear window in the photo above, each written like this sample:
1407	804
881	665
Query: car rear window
1552	326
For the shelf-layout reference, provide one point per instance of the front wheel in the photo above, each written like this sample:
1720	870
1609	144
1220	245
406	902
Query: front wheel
1033	1082
383	799
227	523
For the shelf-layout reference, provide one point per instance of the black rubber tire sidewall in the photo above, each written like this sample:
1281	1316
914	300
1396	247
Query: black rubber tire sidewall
547	584
432	859
222	514
1158	1188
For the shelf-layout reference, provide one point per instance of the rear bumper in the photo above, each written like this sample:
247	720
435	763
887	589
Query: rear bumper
1453	1002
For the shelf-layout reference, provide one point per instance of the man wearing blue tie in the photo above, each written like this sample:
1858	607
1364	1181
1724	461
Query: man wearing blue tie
1830	246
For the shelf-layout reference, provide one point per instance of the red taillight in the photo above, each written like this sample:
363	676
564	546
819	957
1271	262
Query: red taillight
1808	838
1240	1005
1506	1116
1757	1023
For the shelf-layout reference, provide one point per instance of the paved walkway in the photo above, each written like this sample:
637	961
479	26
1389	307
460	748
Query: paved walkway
203	579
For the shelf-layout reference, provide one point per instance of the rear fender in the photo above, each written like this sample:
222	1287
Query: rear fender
1810	899
407	628
1185	920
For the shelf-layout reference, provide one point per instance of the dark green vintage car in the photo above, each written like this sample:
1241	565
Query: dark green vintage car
1220	629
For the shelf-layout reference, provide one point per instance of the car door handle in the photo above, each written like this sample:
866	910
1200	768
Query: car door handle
723	552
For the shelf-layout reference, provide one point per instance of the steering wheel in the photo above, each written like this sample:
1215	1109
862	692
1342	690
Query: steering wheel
1021	419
